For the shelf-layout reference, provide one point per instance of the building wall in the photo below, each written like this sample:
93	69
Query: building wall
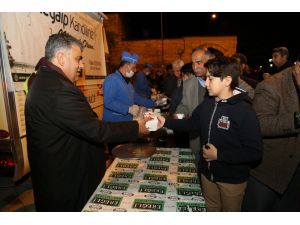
150	51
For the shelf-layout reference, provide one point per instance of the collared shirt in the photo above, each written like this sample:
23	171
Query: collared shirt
201	81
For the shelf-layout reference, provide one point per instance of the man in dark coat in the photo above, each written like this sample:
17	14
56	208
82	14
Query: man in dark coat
64	136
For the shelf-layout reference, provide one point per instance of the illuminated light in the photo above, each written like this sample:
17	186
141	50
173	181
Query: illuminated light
213	16
6	162
260	66
270	60
271	65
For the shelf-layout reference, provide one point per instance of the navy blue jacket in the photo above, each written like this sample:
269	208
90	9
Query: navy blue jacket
141	85
119	95
232	127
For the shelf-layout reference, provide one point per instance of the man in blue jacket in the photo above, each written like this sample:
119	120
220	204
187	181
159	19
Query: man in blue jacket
121	102
141	85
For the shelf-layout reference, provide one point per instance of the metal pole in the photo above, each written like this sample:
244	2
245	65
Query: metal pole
162	38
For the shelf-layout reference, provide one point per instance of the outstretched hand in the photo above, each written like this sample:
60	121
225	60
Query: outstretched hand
142	125
133	110
161	121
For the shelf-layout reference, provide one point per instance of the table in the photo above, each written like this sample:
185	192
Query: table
166	181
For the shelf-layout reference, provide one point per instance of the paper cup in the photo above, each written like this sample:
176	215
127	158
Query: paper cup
180	115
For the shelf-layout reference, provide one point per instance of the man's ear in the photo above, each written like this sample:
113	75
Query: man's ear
60	56
227	80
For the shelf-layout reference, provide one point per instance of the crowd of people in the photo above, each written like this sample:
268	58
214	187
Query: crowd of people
243	129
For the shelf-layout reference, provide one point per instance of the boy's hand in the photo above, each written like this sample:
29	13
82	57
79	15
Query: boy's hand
142	125
210	152
161	121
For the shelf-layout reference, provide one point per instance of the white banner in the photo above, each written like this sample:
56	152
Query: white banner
27	34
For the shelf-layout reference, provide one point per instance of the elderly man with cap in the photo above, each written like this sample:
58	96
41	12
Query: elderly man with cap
141	85
120	100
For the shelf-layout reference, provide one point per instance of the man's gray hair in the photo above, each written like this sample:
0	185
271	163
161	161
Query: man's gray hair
58	42
178	63
208	54
199	48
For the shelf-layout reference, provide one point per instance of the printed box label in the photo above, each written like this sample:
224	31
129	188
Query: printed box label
127	165
189	191
163	152
190	207
155	177
147	204
107	200
188	180
186	160
186	169
160	159
115	186
185	153
157	167
153	189
122	175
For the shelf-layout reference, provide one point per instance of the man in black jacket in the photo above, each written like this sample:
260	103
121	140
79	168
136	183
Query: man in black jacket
64	136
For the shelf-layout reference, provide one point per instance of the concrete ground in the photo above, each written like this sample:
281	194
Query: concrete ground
16	197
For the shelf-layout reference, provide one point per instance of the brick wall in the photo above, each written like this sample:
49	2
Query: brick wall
150	51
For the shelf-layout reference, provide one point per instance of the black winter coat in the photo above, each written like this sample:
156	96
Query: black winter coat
65	142
232	127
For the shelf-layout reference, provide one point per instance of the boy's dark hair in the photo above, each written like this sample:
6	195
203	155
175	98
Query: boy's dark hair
187	69
242	57
60	41
224	66
213	52
282	51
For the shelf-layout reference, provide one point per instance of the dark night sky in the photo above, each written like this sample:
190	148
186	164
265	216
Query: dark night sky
258	33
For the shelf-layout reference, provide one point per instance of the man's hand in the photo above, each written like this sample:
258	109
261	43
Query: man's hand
142	125
210	152
266	75
133	110
161	121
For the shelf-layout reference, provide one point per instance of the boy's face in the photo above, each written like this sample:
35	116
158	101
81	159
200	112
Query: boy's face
215	86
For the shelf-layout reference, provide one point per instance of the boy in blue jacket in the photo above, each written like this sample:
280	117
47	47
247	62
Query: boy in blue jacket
229	134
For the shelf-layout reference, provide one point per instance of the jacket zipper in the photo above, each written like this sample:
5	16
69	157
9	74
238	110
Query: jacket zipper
209	131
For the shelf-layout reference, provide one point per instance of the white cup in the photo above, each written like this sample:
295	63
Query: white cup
156	110
180	115
151	125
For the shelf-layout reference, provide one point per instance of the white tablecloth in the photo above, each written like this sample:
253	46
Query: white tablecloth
167	181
